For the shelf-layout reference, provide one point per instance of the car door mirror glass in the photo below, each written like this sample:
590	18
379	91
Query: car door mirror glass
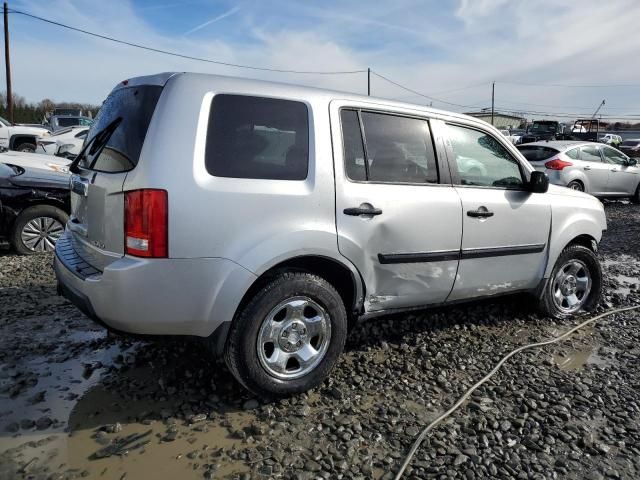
632	162
539	182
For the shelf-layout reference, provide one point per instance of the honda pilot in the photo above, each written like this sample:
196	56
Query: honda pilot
269	216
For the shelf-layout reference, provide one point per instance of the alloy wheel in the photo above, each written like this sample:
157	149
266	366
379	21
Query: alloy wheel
293	338
40	234
571	286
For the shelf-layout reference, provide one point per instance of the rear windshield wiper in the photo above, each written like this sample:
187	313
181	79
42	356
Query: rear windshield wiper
96	143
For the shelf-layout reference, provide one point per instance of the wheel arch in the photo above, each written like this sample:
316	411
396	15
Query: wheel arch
24	139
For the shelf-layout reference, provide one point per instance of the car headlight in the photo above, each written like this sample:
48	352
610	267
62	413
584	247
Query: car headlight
58	168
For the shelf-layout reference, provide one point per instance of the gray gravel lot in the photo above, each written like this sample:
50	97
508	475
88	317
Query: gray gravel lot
76	402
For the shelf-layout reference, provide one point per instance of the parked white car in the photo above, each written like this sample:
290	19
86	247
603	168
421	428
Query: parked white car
36	160
611	139
19	137
67	142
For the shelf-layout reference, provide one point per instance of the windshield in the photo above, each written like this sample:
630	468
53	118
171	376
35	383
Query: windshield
6	123
544	128
135	107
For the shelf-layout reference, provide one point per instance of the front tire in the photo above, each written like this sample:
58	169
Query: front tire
575	283
26	147
287	339
37	229
636	196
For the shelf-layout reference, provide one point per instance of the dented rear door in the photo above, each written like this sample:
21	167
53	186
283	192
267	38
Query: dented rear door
400	229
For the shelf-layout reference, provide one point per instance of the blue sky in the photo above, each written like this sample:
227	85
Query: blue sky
449	49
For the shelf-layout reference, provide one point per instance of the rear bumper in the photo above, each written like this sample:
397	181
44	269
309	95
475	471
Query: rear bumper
153	297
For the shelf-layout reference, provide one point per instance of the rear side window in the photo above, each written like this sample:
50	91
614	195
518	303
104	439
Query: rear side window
536	153
590	154
398	149
574	153
255	137
134	106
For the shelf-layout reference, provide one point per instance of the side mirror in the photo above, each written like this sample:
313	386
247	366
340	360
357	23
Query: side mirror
539	182
632	162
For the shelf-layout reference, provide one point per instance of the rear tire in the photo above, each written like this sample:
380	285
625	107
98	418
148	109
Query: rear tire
288	337
26	147
576	185
47	220
575	283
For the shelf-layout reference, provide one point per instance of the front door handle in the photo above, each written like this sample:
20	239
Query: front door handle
614	169
587	168
481	212
356	211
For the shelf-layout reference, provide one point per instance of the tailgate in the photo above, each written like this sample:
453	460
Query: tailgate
97	198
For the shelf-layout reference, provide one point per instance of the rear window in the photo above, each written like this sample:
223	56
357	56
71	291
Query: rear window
135	106
68	122
255	137
535	153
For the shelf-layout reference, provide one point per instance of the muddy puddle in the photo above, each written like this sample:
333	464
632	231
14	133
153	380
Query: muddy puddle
580	358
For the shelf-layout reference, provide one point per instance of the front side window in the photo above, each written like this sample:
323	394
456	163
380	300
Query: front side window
590	154
611	155
481	160
255	137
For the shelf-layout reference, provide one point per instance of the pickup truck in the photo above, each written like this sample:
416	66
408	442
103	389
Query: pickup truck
19	137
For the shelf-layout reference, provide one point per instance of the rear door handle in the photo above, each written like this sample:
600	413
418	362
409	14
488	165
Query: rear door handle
356	211
614	169
481	212
587	168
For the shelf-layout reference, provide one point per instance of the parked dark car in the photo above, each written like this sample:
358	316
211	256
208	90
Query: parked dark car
631	147
34	207
57	122
544	130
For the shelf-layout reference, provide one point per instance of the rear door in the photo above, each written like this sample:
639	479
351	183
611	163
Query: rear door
623	179
97	200
396	223
505	227
597	172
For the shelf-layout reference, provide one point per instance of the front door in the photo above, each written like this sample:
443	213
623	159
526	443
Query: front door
623	178
395	222
505	227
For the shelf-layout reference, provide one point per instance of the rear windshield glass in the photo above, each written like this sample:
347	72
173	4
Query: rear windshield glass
134	106
534	153
68	121
255	137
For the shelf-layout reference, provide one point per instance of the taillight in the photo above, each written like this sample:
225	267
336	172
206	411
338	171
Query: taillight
557	164
145	223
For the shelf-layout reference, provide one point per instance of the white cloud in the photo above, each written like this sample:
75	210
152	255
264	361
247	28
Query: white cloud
423	46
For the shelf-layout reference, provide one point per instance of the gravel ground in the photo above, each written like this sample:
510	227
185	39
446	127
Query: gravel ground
76	402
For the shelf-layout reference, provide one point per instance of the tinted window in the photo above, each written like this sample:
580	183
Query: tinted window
399	149
630	143
611	155
590	154
253	137
135	106
353	147
481	160
68	122
535	153
574	153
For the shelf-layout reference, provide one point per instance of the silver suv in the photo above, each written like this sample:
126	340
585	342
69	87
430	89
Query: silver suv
276	213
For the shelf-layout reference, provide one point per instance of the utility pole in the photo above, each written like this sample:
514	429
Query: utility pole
8	63
493	95
368	82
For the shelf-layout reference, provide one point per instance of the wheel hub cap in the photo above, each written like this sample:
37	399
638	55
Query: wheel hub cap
293	338
40	234
571	286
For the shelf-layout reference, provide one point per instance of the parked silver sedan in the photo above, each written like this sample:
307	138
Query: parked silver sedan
590	167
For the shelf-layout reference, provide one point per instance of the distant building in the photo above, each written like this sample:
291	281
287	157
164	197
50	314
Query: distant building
500	120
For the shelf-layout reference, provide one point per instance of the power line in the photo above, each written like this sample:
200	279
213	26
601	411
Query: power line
615	85
180	55
418	93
